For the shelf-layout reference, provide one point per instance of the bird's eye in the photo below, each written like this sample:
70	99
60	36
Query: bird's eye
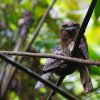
76	26
64	26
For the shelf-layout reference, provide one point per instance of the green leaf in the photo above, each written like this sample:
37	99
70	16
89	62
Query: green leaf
94	53
97	9
95	70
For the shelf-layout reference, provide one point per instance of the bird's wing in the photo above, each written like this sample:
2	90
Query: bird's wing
83	48
51	64
45	77
84	71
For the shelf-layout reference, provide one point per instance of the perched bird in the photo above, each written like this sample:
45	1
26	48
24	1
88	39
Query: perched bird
68	33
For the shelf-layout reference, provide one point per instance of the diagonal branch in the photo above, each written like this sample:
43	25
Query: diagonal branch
83	26
37	77
45	55
77	41
29	45
40	25
25	24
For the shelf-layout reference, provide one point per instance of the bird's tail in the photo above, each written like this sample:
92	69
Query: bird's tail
40	84
85	79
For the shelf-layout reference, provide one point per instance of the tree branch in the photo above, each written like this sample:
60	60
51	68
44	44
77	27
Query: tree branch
45	55
35	34
39	25
37	77
83	26
25	24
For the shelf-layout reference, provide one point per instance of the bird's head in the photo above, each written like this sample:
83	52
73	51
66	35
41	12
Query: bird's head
69	30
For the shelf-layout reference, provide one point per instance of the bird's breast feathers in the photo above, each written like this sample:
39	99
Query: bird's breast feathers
51	64
71	45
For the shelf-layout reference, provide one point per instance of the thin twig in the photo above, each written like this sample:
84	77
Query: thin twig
37	77
77	41
40	25
35	34
95	92
45	55
25	24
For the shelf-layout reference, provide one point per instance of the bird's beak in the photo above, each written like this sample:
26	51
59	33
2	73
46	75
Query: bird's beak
70	28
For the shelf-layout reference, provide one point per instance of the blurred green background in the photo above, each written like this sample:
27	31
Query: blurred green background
12	16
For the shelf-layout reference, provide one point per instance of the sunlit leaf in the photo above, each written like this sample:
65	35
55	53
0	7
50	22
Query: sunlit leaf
97	9
95	70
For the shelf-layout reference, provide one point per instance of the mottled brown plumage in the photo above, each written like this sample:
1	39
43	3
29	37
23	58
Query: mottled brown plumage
68	33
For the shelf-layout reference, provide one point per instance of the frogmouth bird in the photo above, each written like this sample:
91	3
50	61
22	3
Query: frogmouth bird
68	33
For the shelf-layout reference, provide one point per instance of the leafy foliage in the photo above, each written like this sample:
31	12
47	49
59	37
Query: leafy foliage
97	12
12	13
